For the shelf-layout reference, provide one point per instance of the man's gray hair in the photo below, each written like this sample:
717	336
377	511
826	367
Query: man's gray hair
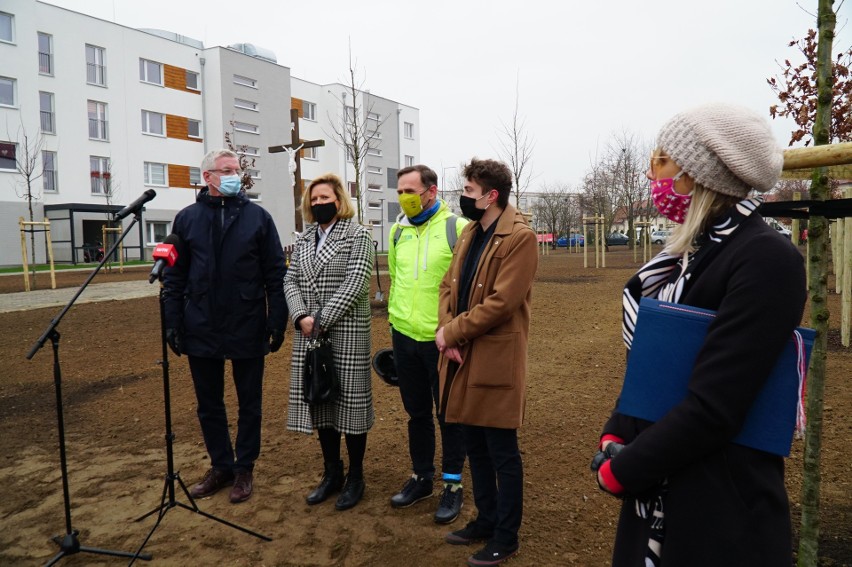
209	161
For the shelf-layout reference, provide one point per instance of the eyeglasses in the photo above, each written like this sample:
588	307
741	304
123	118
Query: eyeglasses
227	171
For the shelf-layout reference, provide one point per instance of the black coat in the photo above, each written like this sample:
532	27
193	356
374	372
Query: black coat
227	287
726	504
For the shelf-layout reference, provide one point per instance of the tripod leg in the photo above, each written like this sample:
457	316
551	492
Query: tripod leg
159	508
70	545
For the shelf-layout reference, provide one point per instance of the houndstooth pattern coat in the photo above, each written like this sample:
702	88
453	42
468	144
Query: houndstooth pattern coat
333	286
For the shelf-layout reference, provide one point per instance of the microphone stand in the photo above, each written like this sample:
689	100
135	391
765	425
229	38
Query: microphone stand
173	476
69	544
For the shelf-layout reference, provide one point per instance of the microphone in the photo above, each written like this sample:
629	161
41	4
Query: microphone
165	254
136	205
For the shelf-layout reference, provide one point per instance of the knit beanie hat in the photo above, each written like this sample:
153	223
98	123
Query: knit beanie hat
723	147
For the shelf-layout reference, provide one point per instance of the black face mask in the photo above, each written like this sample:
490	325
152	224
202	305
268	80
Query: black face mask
468	208
324	213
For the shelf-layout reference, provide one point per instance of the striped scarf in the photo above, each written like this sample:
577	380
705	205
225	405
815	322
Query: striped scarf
668	278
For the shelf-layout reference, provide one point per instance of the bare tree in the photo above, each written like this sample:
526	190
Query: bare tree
626	162
600	193
516	149
246	163
548	209
352	133
30	168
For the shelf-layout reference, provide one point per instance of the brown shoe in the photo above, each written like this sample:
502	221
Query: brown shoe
214	480
242	487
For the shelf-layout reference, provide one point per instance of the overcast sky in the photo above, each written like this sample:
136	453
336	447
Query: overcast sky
584	70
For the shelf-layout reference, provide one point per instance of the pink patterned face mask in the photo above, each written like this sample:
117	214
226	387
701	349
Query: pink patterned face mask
671	204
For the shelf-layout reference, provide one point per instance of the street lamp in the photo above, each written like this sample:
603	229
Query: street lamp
443	178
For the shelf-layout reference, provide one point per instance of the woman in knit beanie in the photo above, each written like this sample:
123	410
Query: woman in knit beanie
691	495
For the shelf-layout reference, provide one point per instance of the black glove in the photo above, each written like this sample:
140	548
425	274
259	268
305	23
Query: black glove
174	340
275	338
601	457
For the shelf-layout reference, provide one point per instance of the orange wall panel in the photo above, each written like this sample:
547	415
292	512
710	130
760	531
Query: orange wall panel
296	104
177	127
179	176
175	78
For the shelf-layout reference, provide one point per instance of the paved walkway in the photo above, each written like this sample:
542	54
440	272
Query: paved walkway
40	298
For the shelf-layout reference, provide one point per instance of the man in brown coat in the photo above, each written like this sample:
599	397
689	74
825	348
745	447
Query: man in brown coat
483	323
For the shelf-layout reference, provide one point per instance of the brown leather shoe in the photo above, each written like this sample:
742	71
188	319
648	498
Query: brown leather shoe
242	487
214	480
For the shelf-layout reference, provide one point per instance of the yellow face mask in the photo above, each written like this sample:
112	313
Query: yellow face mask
410	204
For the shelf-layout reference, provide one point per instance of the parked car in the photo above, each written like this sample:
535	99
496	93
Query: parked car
573	240
660	236
617	239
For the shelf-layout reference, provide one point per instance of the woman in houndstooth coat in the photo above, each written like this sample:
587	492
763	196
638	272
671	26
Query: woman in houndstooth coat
327	284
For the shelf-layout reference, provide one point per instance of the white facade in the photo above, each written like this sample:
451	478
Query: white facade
144	108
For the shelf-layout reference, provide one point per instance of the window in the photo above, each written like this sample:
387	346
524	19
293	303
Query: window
409	130
253	196
192	80
95	65
350	155
98	126
8	159
409	161
195	176
45	53
253	173
150	72
245	81
374	169
48	167
8	87
246	104
376	222
157	231
155	174
374	152
350	115
373	116
7	27
48	125
310	153
374	187
374	205
353	189
374	135
246	127
249	151
153	123
193	128
309	111
101	177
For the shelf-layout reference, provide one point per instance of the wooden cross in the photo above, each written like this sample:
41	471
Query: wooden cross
297	145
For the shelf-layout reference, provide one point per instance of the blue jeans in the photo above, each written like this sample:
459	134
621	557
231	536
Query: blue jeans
417	368
498	480
208	376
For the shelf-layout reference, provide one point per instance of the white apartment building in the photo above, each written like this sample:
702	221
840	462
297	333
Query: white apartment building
112	111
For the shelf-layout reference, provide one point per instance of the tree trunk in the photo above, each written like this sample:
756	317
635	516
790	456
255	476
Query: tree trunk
817	282
32	233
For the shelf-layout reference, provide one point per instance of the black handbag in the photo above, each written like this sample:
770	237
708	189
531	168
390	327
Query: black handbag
319	376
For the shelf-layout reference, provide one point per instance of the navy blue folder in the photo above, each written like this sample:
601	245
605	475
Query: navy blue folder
674	333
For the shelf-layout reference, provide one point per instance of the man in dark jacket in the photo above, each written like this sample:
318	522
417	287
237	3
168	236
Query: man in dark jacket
224	299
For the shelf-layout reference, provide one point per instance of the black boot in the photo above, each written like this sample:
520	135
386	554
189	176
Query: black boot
353	491
332	481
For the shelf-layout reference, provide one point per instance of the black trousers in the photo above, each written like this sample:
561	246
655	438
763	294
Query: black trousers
417	368
498	480
208	376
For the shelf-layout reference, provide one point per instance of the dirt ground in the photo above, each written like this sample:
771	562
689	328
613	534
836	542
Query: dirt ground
114	417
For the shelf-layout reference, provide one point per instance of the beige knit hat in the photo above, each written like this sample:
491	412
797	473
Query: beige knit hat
724	147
